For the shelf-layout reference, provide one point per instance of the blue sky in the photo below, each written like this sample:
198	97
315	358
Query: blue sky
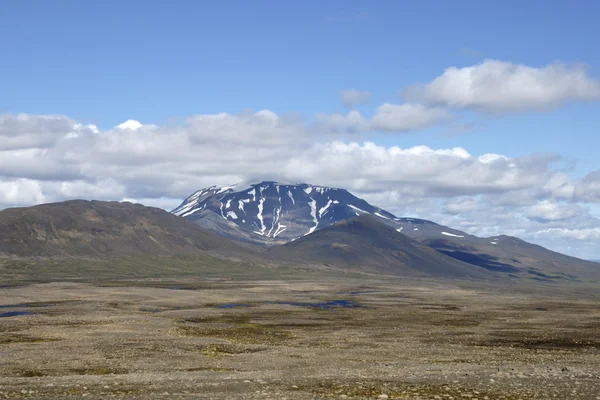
106	62
159	63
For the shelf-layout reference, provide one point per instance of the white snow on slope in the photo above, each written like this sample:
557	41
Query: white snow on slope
452	234
190	203
291	197
232	214
358	209
400	229
260	216
224	189
380	215
280	228
308	190
193	210
313	213
323	209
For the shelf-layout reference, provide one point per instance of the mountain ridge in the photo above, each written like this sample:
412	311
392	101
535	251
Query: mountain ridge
274	214
367	243
81	228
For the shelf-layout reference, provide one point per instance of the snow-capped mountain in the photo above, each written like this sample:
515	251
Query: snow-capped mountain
271	212
274	212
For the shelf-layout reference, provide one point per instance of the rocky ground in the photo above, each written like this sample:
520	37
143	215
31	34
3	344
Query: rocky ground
297	340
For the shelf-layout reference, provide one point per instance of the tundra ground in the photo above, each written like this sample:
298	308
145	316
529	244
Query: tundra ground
326	339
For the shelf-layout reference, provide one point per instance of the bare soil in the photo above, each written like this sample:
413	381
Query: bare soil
247	340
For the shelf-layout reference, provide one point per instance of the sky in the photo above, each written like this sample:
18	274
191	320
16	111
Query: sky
479	115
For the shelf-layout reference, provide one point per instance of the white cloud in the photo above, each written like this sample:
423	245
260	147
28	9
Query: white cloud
20	192
485	194
397	118
549	211
588	189
499	86
352	98
352	122
406	117
130	124
579	234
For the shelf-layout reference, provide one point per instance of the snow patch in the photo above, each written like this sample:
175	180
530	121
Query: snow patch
358	209
313	213
452	234
224	189
324	208
308	190
399	229
291	197
193	210
232	214
494	242
380	215
260	216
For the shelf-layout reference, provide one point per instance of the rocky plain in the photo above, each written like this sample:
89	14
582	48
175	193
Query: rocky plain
327	338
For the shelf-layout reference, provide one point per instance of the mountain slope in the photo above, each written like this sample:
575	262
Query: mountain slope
366	243
78	228
270	213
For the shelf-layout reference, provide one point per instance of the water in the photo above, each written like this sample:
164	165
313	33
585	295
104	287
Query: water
150	309
358	292
232	305
14	314
20	305
329	305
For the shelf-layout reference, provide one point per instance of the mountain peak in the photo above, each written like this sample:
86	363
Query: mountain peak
270	211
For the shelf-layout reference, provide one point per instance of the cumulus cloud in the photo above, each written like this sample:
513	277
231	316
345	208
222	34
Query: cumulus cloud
588	189
145	161
549	211
484	194
352	122
20	192
580	234
406	117
352	98
24	131
397	118
498	86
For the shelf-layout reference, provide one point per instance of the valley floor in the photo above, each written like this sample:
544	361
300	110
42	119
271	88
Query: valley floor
339	338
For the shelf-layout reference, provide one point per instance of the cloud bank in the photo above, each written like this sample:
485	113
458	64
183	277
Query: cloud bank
45	158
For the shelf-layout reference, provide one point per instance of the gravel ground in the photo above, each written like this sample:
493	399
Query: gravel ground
297	340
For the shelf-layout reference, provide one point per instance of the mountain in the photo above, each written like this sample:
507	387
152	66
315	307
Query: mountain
88	228
270	213
366	243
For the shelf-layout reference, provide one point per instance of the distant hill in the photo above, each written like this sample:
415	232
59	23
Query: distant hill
88	228
269	213
368	244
